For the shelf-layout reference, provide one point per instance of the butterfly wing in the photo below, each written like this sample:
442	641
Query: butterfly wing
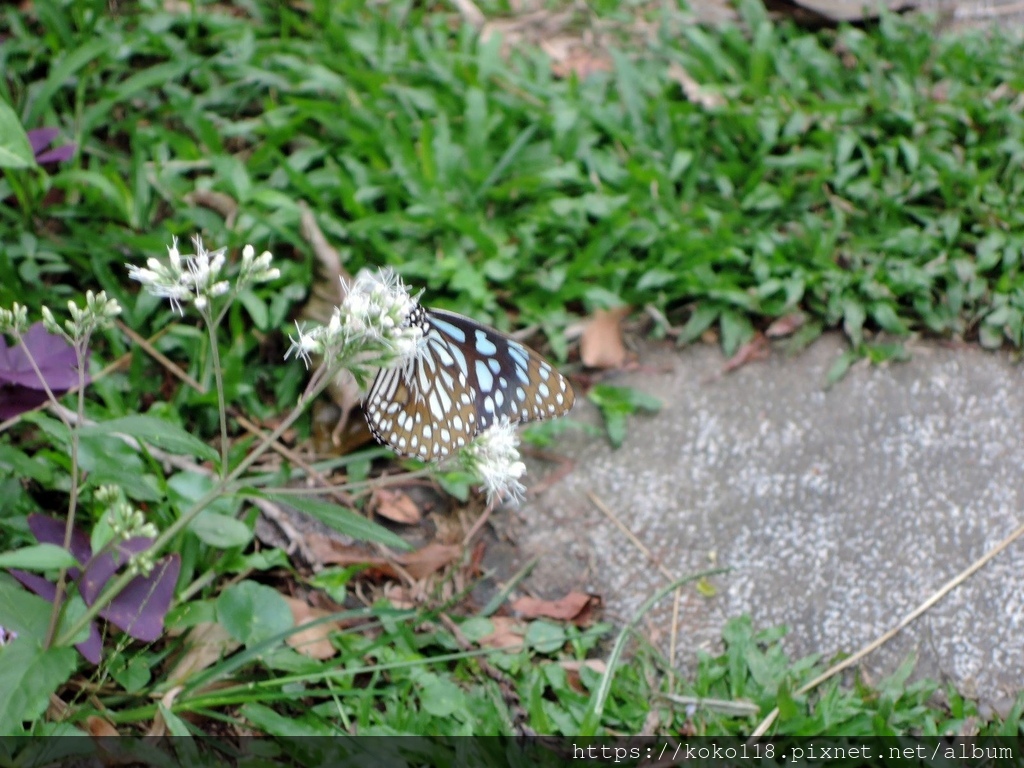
467	377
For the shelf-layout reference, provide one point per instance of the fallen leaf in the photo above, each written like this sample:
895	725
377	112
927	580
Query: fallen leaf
706	589
570	56
395	505
159	727
601	344
97	726
576	607
332	552
311	641
418	564
755	349
508	633
431	558
206	643
399	596
785	326
572	671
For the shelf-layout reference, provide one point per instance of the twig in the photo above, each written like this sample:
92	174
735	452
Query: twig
159	356
470	13
948	587
657	564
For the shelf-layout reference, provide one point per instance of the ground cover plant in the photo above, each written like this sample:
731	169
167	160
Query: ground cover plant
855	178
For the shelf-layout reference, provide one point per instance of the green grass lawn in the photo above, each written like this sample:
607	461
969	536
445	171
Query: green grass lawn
867	179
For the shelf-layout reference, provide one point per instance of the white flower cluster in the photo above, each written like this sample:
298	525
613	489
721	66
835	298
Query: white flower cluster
374	318
197	279
494	458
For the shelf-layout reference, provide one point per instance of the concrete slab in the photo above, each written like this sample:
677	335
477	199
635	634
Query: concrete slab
838	511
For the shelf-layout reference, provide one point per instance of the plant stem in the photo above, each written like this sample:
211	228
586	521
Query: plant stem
81	347
222	413
316	385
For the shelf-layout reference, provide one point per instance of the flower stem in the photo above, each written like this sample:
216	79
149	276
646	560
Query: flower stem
69	527
211	328
316	385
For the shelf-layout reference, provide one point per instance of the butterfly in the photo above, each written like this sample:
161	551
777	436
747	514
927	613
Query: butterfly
466	377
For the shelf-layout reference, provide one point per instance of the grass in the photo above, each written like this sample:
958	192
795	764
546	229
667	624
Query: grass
866	178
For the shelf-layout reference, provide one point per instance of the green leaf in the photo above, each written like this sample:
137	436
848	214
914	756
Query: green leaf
220	531
131	673
701	319
38	557
544	636
853	320
842	364
340	519
15	150
274	724
28	676
442	698
23	466
257	309
175	725
158	433
21	611
252	612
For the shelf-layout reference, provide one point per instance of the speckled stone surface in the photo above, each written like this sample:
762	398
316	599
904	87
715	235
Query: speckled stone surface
838	511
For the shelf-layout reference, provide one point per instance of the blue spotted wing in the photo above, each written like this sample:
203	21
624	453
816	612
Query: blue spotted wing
467	377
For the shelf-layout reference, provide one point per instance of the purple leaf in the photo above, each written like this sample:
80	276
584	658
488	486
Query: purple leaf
90	648
52	353
54	356
140	609
105	565
40	138
20	388
15	400
50	530
56	155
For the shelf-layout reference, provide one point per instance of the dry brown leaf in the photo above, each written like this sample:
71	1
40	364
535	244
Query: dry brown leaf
395	505
570	56
159	727
601	344
786	325
572	671
755	349
219	202
431	558
418	564
312	641
577	607
399	596
97	726
508	633
205	644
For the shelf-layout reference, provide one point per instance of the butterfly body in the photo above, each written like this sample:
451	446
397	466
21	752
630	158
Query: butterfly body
466	377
